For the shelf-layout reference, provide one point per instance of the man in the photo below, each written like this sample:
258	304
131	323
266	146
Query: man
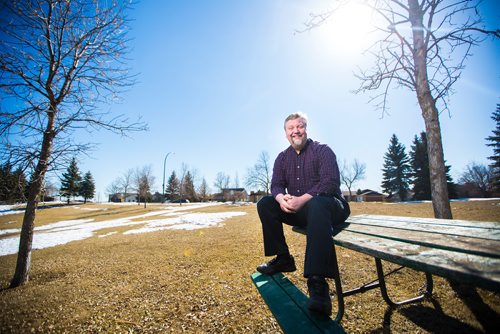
305	190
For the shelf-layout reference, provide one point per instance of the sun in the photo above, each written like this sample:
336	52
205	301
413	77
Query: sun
348	31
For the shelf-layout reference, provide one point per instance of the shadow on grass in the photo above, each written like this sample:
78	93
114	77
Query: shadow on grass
430	319
434	320
485	315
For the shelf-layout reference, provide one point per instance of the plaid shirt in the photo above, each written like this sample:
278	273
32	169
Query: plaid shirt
314	171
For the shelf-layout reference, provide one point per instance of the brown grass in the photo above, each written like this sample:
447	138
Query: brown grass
198	281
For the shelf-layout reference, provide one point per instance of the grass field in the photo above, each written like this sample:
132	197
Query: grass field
197	281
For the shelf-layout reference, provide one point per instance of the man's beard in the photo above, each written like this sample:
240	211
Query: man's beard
298	141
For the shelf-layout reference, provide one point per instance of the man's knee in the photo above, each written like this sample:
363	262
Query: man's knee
265	202
320	203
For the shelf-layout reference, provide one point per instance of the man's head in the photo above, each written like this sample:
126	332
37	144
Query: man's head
296	130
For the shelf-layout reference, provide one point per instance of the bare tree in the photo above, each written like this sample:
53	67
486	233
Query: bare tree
143	182
203	191
126	181
478	176
352	173
114	187
221	181
61	61
182	179
236	180
48	189
424	47
259	176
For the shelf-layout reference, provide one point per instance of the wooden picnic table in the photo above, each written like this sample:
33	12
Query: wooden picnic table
460	250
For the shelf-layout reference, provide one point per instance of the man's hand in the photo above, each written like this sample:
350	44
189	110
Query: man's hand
283	201
292	204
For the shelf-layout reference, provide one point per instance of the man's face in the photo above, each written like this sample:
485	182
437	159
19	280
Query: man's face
296	133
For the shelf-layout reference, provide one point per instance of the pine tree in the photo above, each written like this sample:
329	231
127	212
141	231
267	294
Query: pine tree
495	143
396	170
188	190
87	187
18	186
5	174
173	187
419	162
420	173
13	185
70	182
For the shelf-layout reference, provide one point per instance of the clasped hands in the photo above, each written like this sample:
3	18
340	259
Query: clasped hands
292	204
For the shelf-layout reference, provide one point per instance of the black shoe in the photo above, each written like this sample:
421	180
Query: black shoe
283	263
319	296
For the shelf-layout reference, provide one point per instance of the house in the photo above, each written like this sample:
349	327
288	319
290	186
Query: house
232	194
257	196
122	198
366	195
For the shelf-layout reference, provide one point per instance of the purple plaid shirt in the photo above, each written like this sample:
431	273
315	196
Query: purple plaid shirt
313	171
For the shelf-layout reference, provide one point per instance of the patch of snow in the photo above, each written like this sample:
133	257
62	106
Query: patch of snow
90	209
189	221
107	234
10	231
63	232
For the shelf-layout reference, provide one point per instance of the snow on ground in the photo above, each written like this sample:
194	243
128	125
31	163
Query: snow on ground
170	217
10	209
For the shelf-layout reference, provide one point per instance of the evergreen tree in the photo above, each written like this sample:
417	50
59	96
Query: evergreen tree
173	187
495	143
188	190
396	170
420	173
13	185
18	186
5	177
419	162
87	187
70	182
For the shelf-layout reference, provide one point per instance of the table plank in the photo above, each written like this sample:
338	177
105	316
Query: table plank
483	230
453	242
434	221
478	270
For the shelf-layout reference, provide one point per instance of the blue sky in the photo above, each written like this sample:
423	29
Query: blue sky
217	78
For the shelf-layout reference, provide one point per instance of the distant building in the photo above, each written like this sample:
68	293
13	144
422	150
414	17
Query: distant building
122	198
366	195
254	197
231	194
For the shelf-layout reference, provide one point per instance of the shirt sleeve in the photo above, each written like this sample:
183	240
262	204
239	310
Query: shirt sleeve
278	180
329	177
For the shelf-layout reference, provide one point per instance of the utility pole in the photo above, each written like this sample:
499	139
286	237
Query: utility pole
163	185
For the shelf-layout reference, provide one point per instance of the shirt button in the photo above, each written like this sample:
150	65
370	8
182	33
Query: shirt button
298	178
298	166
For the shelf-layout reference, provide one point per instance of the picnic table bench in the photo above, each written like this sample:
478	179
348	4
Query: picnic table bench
460	250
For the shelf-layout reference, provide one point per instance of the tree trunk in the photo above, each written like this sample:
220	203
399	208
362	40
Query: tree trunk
439	189
21	274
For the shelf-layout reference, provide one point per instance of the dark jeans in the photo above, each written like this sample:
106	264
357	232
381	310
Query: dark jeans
317	216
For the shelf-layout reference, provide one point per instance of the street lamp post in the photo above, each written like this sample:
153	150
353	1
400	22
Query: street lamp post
163	185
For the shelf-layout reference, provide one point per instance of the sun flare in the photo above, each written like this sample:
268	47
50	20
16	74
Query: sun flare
347	32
